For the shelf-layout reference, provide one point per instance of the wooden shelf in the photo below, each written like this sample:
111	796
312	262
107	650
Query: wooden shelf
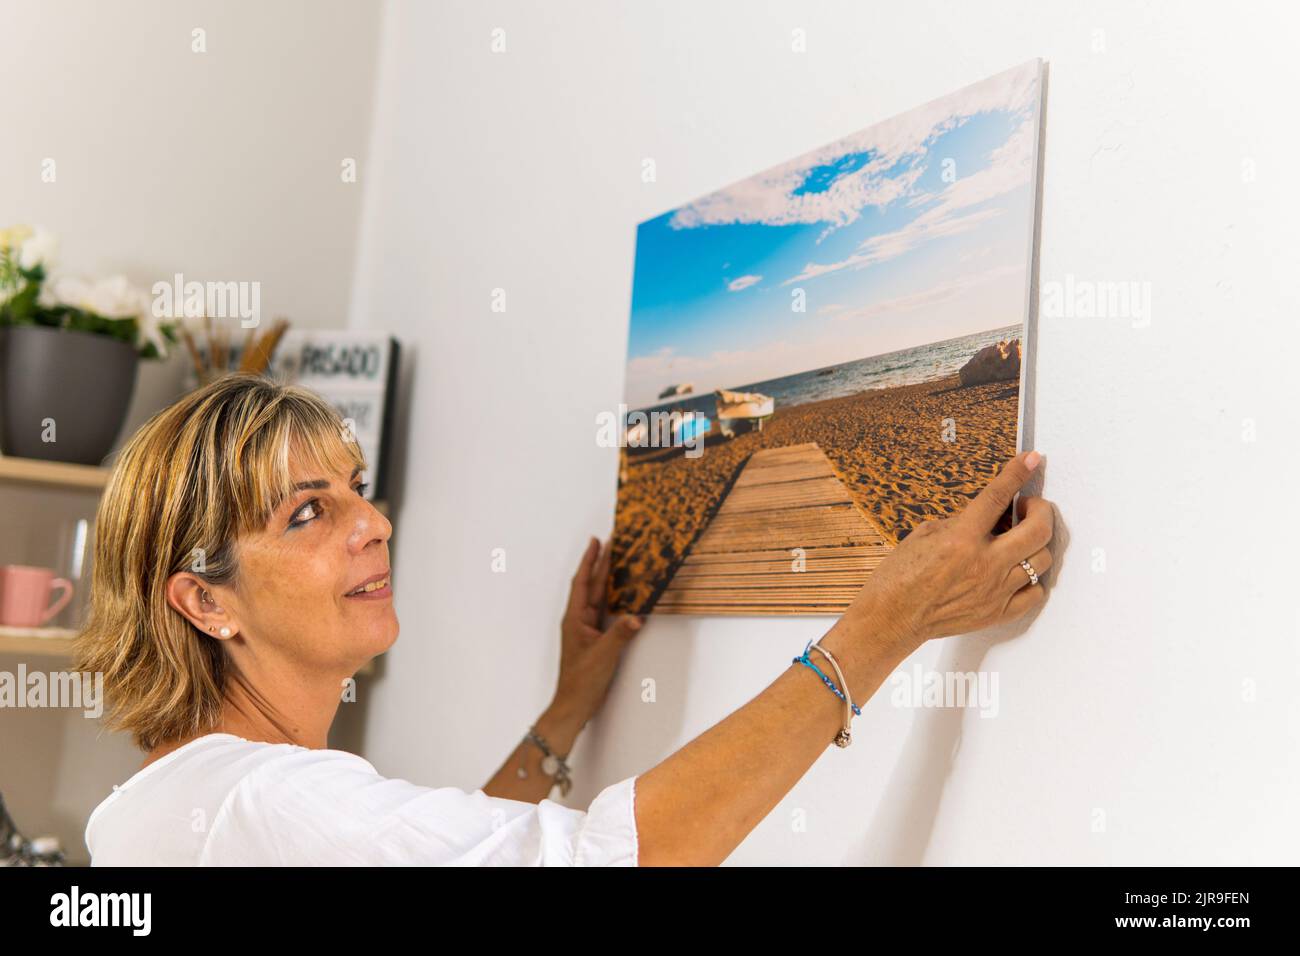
54	474
50	641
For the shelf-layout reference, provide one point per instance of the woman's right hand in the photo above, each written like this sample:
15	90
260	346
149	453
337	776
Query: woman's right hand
953	575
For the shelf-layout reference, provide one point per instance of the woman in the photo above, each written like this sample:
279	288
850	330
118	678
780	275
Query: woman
241	579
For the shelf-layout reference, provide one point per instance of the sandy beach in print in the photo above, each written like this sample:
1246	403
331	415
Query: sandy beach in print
886	445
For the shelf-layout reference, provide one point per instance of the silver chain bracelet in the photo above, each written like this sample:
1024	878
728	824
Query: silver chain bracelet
553	765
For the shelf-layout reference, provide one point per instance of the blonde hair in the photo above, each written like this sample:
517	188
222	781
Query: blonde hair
194	479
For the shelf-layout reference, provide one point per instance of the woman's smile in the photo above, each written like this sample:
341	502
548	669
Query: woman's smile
378	587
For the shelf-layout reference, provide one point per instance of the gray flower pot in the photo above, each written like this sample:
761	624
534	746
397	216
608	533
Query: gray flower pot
79	380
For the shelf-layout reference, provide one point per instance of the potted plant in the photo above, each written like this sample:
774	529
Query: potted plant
69	351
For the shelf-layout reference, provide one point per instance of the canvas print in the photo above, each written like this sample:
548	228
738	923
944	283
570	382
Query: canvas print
824	355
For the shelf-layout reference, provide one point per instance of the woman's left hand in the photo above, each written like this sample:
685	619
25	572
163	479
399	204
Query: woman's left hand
589	651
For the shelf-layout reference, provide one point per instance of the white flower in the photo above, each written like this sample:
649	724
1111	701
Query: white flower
14	236
112	298
66	290
48	299
39	248
151	329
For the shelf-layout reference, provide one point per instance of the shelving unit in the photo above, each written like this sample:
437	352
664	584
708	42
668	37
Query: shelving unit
55	474
45	641
57	641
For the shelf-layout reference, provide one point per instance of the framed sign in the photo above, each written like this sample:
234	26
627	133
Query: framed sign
356	371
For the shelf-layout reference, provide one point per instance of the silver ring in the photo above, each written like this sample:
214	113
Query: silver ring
1029	570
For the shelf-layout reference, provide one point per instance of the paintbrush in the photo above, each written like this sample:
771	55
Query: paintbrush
258	358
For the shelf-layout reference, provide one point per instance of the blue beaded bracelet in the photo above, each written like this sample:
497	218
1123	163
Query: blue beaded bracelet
803	659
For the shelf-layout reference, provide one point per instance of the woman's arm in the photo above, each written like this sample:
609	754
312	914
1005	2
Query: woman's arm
947	577
694	808
588	658
559	727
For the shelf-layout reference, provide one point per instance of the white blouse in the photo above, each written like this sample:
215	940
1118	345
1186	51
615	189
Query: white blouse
221	800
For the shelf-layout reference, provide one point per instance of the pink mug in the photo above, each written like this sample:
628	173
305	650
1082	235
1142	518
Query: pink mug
25	594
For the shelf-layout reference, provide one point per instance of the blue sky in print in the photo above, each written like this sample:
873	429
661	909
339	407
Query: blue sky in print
912	231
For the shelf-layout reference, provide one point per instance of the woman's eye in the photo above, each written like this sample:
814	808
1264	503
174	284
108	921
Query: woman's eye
309	506
311	510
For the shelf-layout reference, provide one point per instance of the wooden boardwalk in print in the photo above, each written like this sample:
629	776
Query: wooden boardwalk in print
744	561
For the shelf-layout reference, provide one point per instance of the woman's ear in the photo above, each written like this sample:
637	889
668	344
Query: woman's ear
193	599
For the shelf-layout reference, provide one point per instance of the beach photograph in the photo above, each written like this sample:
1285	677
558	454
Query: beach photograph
824	355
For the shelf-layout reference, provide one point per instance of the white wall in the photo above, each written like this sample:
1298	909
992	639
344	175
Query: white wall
222	165
1129	696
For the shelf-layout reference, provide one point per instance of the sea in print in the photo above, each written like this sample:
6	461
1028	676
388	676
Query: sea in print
921	363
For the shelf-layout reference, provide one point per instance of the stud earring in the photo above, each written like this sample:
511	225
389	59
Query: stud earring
212	629
225	632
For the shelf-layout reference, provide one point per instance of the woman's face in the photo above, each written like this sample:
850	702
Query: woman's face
298	577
